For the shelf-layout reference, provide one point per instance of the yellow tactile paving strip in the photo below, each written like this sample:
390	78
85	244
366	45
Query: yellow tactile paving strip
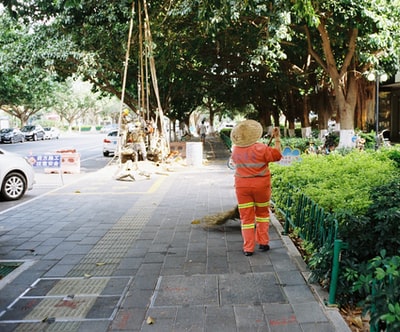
61	309
70	299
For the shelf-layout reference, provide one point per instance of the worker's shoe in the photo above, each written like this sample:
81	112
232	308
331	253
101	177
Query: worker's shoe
263	247
247	253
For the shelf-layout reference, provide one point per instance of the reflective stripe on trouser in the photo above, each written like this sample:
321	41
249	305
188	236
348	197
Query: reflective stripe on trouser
253	206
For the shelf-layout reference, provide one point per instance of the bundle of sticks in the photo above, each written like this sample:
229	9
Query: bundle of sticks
220	218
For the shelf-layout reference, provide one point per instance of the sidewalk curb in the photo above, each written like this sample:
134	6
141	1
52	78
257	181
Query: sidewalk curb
321	295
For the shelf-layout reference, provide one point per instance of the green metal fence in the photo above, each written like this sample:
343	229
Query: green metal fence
309	219
311	223
226	139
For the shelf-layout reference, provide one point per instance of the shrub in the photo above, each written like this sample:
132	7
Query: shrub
334	181
394	155
379	284
362	189
366	235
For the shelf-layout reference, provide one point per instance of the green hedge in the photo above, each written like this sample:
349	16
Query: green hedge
362	188
337	182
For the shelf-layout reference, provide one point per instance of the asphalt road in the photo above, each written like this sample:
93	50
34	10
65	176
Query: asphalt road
87	145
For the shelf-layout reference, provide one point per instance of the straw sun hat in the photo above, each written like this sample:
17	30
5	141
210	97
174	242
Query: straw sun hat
246	133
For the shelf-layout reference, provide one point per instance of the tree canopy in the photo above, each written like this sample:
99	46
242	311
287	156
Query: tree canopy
279	57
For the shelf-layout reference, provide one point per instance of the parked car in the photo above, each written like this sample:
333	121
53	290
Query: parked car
33	132
3	131
51	133
108	128
16	176
110	143
12	135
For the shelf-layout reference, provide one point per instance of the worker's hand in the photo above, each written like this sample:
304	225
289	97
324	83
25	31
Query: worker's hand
275	132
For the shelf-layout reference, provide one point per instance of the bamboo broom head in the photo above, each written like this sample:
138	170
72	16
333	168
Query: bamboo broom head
220	218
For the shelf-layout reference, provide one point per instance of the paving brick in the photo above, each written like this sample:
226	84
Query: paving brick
186	277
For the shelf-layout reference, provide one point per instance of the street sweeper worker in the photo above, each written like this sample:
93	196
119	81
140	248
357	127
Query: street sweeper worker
253	182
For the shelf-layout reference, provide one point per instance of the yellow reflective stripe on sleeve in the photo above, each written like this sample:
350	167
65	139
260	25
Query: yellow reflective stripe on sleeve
246	205
258	219
248	226
264	204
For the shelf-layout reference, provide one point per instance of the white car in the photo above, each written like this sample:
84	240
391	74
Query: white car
110	143
16	176
33	132
51	133
106	129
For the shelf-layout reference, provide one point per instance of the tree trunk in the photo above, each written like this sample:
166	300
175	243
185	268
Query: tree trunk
305	120
211	121
347	105
291	130
291	114
344	83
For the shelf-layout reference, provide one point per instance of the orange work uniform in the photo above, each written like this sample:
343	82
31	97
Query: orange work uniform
253	191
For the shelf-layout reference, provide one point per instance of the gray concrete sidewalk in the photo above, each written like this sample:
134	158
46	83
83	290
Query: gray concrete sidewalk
105	255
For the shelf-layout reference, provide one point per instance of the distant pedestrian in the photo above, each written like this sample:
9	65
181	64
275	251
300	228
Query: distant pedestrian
203	131
253	182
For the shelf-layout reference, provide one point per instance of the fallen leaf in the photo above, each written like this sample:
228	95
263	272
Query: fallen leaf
87	275
150	320
100	263
195	222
